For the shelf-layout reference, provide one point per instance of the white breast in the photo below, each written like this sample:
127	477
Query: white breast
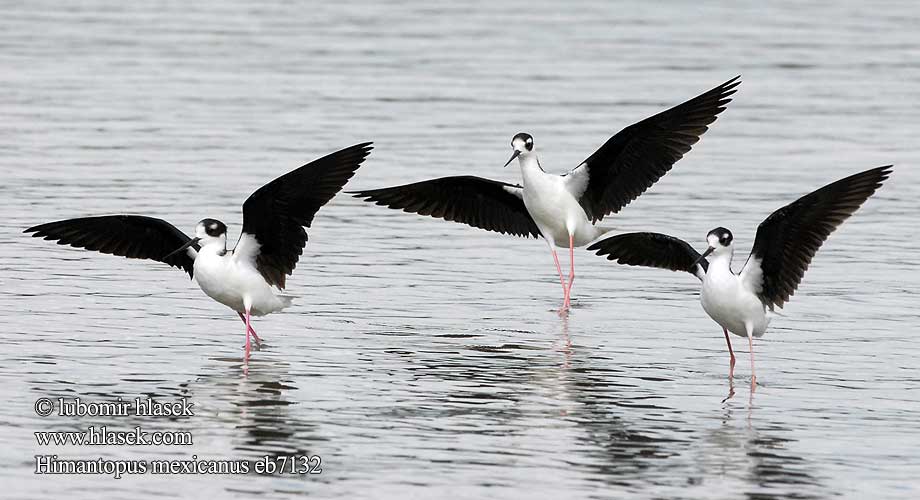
235	283
552	206
730	303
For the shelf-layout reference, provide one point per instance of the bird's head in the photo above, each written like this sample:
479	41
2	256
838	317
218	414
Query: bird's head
522	144
720	242
211	232
208	232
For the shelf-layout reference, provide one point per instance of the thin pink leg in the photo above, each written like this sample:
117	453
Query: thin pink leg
251	331
568	291
248	328
753	376
731	365
565	289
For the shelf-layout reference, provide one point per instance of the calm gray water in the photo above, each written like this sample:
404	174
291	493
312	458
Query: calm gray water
423	358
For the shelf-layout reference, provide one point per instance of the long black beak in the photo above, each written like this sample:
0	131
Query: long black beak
705	254
513	156
183	247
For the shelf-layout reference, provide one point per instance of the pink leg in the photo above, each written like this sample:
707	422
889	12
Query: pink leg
731	365
568	291
251	331
248	328
731	389
753	376
565	289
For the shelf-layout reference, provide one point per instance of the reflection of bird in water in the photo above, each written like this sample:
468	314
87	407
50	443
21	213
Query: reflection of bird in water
615	440
566	347
760	458
255	411
245	278
785	244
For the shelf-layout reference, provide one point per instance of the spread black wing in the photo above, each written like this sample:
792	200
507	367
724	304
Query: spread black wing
483	203
131	236
788	239
652	250
275	215
640	154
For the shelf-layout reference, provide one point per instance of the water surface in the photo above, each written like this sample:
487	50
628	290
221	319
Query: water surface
423	358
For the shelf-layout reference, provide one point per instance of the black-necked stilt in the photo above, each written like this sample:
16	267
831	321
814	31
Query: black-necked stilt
785	243
565	208
244	279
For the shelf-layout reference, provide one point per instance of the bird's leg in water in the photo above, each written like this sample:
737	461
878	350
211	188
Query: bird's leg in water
731	364
751	344
565	289
248	329
252	332
568	290
731	389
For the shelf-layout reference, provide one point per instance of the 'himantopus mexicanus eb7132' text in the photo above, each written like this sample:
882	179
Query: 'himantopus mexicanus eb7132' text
785	243
564	209
244	279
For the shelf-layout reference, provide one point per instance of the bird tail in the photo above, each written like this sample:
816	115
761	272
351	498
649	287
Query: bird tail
285	301
600	230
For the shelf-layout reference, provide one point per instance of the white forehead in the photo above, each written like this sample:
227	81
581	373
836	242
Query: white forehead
713	240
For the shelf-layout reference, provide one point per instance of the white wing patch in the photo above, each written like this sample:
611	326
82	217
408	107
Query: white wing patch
576	181
515	190
752	275
247	249
699	272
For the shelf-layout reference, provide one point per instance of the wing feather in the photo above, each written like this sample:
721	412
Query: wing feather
275	215
788	239
483	203
640	154
131	236
652	250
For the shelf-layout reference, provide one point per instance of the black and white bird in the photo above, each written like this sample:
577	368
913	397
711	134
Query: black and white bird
785	243
564	209
247	277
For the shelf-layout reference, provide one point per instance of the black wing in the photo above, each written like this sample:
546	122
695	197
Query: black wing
483	203
788	239
652	250
636	157
131	236
275	215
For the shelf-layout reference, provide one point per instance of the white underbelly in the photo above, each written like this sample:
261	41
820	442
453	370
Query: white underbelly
557	213
733	307
233	285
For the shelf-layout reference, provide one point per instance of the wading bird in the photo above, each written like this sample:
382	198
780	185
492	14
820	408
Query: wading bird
247	277
564	209
786	241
